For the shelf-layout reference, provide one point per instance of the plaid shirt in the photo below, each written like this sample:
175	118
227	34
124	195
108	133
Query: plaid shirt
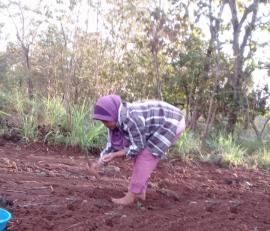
150	124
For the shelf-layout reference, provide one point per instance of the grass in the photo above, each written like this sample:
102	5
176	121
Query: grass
3	98
18	101
226	150
252	145
29	128
74	127
81	131
187	145
2	113
55	137
261	158
54	113
220	149
85	132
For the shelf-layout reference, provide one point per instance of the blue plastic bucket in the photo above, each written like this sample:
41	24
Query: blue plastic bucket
5	216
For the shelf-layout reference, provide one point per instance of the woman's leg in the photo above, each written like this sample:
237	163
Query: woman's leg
143	166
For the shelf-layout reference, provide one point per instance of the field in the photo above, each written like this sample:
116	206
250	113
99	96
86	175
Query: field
49	188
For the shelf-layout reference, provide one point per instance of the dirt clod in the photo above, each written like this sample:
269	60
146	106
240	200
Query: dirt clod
5	202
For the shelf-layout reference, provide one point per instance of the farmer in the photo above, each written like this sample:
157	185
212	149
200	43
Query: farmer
142	131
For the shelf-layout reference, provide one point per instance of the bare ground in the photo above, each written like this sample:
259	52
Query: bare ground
50	189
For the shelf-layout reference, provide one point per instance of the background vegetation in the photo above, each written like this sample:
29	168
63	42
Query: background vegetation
201	56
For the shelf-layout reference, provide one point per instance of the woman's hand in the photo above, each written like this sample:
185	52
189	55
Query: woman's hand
111	156
108	158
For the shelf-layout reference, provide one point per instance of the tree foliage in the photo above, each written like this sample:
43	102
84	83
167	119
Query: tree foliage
198	55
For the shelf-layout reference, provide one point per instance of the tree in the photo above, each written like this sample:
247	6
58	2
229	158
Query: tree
214	48
155	31
237	79
26	32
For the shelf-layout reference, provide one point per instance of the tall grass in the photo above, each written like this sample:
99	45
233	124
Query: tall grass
50	114
4	101
226	150
55	137
29	128
54	112
251	145
264	158
85	133
261	158
2	113
187	145
18	101
79	130
18	110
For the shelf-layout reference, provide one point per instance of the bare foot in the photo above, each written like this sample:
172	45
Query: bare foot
126	200
141	196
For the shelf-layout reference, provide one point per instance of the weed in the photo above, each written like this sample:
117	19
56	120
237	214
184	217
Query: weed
29	128
54	112
84	132
228	150
187	144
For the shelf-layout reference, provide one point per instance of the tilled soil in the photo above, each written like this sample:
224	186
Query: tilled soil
50	189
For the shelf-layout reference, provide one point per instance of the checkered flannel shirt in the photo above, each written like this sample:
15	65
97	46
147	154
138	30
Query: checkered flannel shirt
150	124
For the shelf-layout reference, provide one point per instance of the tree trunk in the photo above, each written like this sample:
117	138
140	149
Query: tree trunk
195	115
238	51
214	30
259	134
232	119
209	118
30	86
157	74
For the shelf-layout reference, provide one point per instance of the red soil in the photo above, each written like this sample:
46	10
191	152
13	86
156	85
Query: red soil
51	190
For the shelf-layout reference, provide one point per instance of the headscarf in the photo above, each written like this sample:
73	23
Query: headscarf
106	109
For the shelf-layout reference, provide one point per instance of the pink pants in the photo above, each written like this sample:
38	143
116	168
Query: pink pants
145	163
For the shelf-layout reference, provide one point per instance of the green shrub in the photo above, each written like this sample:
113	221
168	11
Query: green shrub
187	145
227	150
19	102
252	145
54	112
55	137
84	132
261	158
29	128
4	100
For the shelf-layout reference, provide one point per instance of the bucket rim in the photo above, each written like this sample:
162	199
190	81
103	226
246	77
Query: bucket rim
8	217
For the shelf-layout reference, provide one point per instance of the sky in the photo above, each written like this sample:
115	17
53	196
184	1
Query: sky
260	77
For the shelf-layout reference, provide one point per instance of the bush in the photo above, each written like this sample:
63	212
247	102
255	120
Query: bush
252	145
84	132
29	128
54	112
187	145
227	150
18	102
4	100
261	158
55	137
